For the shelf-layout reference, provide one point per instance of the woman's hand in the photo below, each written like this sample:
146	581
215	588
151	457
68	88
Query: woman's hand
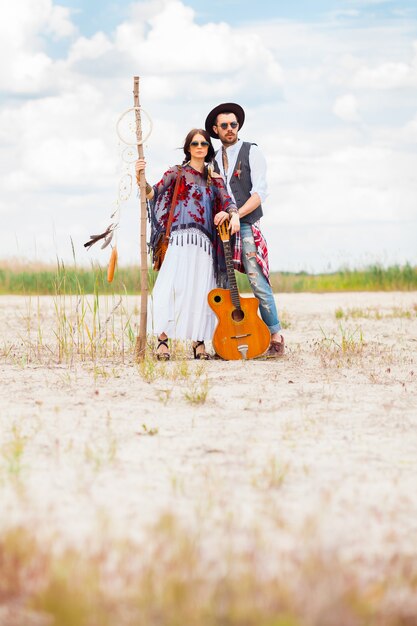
234	225
140	167
220	217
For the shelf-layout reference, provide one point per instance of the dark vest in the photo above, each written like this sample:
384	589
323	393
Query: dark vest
241	185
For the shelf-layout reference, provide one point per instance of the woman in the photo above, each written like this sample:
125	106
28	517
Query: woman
194	262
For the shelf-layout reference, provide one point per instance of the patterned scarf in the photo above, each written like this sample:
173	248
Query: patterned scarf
261	251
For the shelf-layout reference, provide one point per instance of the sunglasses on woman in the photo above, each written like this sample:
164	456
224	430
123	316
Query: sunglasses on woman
204	144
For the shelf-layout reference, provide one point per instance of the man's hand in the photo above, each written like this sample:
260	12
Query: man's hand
234	225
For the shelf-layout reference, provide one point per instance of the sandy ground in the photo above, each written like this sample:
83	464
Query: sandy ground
318	447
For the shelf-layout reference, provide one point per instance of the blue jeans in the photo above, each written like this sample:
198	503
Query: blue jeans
260	286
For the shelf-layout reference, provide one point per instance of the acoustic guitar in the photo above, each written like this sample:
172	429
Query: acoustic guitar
240	332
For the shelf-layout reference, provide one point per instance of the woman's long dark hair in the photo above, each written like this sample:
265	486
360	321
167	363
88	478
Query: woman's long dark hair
190	137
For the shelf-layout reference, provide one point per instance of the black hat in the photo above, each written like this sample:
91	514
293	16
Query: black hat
227	107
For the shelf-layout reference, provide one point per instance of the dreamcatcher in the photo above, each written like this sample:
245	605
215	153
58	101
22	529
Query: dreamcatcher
126	132
129	131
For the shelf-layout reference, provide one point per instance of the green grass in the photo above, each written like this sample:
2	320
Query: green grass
72	280
28	279
371	278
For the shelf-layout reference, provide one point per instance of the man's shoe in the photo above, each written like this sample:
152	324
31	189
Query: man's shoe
276	349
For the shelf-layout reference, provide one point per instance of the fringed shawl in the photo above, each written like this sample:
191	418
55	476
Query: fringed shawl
199	199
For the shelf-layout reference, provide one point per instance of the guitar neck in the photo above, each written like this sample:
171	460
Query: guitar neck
234	292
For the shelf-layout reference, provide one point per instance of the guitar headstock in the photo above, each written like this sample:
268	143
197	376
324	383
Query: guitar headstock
224	231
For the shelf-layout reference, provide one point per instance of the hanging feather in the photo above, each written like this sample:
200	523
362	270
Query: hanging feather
107	240
112	265
94	238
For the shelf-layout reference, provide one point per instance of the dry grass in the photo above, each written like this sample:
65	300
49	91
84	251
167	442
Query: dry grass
377	314
340	349
207	493
171	579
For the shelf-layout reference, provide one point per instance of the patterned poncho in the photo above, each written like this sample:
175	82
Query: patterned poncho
198	202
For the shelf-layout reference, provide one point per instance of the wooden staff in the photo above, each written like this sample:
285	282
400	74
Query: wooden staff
141	338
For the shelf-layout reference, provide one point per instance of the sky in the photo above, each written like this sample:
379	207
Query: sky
329	90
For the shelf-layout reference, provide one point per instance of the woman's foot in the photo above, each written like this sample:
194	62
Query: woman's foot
199	350
162	350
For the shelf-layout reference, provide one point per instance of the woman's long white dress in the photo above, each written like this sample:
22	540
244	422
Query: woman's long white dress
178	303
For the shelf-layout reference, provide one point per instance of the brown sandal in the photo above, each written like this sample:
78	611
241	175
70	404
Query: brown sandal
203	356
162	356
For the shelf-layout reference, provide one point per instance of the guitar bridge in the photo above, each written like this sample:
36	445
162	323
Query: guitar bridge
240	336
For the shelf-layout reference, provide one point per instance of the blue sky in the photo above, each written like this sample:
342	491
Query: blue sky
104	15
329	90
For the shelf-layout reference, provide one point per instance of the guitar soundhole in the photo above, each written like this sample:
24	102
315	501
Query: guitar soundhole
238	315
217	299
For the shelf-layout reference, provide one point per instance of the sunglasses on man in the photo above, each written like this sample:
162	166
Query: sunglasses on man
224	125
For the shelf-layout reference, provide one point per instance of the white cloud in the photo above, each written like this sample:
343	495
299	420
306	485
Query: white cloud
211	59
60	158
89	48
346	107
59	23
410	130
24	65
351	183
62	140
387	75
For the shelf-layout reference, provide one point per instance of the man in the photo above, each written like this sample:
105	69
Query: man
243	167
